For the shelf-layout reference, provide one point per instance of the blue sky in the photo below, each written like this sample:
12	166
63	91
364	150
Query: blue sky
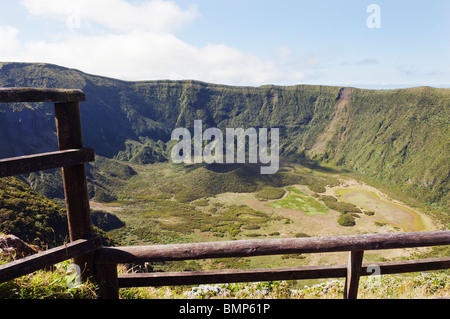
247	42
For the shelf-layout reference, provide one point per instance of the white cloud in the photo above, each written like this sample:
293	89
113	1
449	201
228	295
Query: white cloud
135	41
8	40
284	52
117	15
141	55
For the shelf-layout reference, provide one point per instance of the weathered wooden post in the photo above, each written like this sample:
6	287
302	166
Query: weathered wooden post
353	274
68	126
107	279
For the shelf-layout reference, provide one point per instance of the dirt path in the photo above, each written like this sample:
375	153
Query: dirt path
99	206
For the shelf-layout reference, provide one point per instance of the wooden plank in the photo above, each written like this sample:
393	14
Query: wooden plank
247	248
106	277
159	279
405	266
44	161
353	274
68	128
229	275
47	258
24	94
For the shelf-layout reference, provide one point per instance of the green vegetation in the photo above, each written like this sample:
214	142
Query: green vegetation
396	140
380	287
59	283
300	235
270	193
399	137
104	176
380	224
208	180
296	199
106	221
34	218
30	216
342	207
152	219
347	220
328	198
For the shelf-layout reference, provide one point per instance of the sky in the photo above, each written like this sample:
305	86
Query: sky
366	44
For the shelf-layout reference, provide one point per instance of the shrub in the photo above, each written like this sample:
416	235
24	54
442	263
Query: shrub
254	235
275	234
300	235
317	188
104	196
202	202
268	193
380	224
185	196
293	256
251	227
343	207
327	198
346	220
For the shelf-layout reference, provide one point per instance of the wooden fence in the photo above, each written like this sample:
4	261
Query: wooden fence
107	258
100	263
72	157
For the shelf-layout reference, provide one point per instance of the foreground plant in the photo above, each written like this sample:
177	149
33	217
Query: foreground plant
60	283
426	285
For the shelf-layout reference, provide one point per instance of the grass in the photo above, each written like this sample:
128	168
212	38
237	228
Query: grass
296	199
60	283
425	285
160	220
151	213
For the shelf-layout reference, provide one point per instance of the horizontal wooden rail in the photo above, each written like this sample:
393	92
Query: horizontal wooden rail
248	248
159	279
47	258
44	161
21	94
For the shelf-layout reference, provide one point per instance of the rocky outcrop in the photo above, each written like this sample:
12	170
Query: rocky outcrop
12	247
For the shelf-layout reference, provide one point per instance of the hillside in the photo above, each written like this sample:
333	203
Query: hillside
398	137
30	216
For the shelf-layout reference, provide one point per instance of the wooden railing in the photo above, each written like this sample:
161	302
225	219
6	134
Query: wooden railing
107	258
72	157
100	263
